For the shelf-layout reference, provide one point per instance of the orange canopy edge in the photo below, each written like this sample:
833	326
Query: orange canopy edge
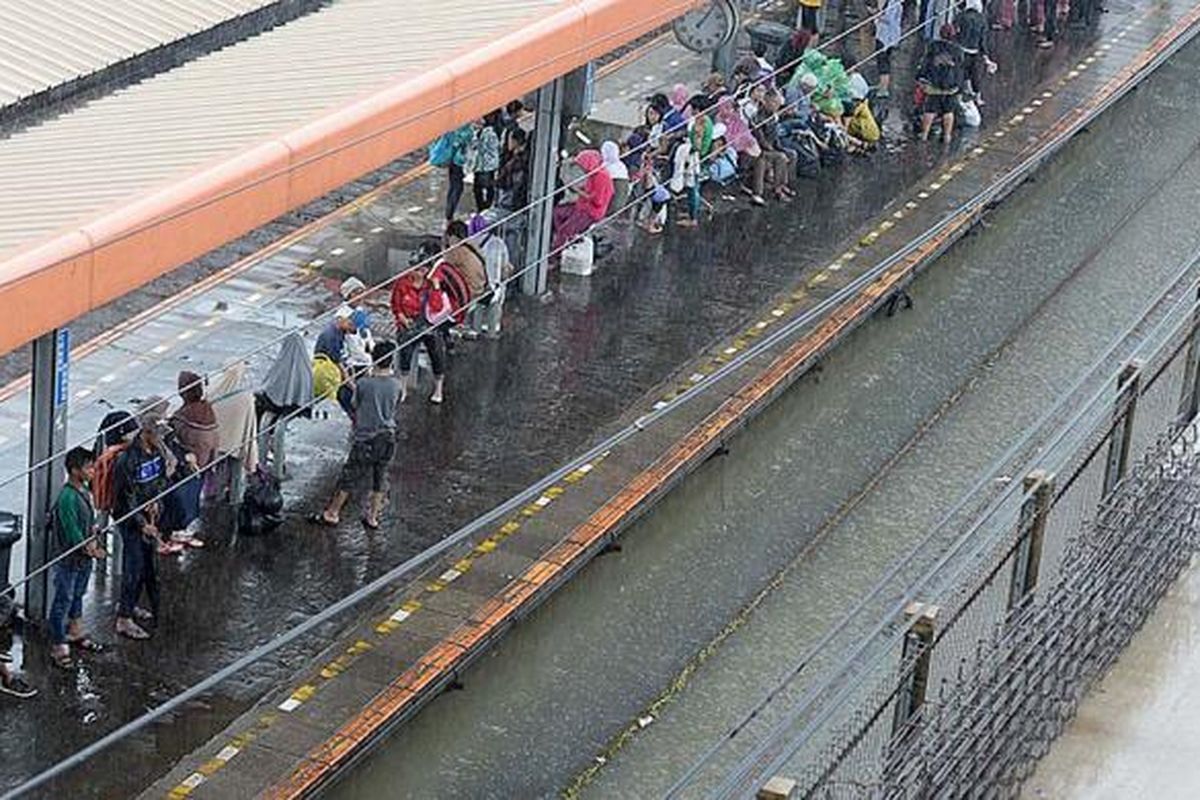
48	284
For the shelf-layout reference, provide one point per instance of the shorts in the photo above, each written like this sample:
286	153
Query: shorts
808	18
370	457
883	58
940	104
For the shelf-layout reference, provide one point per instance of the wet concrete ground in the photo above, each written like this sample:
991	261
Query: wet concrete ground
518	406
590	662
1135	734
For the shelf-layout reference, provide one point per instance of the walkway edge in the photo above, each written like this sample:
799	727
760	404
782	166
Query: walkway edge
446	660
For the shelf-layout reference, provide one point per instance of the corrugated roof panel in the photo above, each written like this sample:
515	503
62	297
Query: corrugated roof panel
45	43
125	143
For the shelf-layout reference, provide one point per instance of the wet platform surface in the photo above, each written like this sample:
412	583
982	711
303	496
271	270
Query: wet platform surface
562	372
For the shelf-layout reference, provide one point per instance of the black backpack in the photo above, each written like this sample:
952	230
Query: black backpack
262	505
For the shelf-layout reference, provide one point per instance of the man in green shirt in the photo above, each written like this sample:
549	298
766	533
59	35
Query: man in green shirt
75	532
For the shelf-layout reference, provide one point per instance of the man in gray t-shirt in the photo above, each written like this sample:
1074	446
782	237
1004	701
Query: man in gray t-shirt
374	402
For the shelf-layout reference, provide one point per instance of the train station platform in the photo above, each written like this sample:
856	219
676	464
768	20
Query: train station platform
596	360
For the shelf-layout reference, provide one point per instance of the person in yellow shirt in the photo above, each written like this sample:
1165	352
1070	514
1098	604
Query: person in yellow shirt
809	12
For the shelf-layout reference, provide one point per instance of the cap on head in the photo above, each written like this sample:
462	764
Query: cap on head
350	287
344	312
151	412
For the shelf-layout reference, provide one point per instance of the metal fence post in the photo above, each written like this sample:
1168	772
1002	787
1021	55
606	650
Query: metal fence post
47	436
1122	432
1189	404
918	642
1028	557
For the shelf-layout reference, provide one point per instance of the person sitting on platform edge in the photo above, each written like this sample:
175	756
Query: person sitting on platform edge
74	524
374	399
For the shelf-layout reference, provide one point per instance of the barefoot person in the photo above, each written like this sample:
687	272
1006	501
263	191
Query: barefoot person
375	399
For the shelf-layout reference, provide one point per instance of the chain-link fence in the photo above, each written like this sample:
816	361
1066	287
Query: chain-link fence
987	671
1036	589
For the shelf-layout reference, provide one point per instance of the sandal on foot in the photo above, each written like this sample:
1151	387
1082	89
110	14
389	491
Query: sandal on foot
62	660
325	522
369	525
88	645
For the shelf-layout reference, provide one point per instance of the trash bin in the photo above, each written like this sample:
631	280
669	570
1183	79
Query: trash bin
768	38
10	533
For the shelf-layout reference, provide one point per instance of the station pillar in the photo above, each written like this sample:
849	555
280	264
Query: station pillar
47	438
543	170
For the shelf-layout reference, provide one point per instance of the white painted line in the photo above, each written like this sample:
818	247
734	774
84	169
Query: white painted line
543	501
227	753
109	378
162	348
254	298
317	262
377	229
695	377
400	616
729	351
337	251
289	705
586	468
449	576
185	335
660	405
193	780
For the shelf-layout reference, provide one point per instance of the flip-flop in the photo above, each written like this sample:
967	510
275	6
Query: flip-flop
320	519
367	524
87	645
62	661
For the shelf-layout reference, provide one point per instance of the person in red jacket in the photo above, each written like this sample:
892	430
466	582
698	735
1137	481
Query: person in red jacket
423	313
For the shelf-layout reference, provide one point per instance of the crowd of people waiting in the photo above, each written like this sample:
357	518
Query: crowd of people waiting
759	130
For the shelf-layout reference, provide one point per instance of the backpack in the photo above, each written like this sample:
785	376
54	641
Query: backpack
262	505
441	152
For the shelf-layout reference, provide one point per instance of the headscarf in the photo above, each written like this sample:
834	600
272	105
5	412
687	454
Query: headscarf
598	187
610	151
737	132
196	410
679	96
195	423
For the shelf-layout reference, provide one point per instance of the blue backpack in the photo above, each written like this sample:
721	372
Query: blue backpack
441	152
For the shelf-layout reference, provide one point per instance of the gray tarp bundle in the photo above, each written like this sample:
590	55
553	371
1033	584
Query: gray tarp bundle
289	382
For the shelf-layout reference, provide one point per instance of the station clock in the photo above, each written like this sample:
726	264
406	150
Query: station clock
708	27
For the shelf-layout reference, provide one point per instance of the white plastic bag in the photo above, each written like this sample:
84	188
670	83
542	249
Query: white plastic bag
970	114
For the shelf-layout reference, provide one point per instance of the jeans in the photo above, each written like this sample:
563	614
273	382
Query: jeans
139	570
71	576
455	192
435	345
485	189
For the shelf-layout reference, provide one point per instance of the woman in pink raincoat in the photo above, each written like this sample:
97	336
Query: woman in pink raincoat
593	195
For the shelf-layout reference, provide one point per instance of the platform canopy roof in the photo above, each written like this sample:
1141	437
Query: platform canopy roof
120	190
45	44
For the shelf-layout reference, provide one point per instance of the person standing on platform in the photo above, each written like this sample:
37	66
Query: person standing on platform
810	20
75	533
450	152
141	479
487	161
887	36
374	444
